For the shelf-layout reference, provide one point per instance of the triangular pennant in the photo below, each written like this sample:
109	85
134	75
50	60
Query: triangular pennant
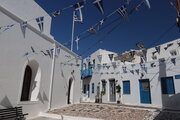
6	102
58	49
78	17
158	48
77	42
153	65
5	28
168	45
56	13
99	5
45	54
139	45
92	31
23	27
173	60
99	66
104	65
99	58
107	66
40	22
122	11
147	3
137	71
112	72
52	53
114	64
132	71
178	44
32	49
162	60
111	56
124	69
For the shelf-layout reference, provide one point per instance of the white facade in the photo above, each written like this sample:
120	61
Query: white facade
50	76
151	83
105	76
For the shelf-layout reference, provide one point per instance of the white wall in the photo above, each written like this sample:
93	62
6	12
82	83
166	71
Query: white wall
154	74
14	45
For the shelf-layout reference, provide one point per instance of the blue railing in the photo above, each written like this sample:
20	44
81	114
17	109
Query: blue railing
86	73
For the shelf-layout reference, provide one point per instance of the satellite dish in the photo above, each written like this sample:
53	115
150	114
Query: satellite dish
140	45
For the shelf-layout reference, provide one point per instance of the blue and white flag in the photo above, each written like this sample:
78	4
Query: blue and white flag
158	48
124	69
58	48
111	56
92	30
122	11
147	3
77	42
40	22
56	13
99	5
3	29
78	17
24	25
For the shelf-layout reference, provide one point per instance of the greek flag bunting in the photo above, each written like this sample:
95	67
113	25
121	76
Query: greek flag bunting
147	3
3	29
122	11
40	22
56	13
99	5
78	17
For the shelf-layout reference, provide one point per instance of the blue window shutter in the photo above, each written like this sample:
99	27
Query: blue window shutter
167	85
126	87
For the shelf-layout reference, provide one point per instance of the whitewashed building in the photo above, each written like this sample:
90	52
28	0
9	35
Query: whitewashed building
152	82
101	75
36	71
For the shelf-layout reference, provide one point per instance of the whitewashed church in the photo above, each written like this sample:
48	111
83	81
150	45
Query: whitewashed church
36	71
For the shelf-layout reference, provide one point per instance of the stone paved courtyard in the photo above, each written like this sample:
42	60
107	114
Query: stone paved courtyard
103	111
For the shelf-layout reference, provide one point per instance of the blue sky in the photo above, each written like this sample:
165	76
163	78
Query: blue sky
146	25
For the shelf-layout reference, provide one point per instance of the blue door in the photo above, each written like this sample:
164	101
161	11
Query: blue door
145	93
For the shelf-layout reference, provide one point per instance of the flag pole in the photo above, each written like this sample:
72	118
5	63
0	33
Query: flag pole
72	41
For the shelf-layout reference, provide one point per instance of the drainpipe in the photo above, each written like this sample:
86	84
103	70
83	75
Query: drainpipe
52	77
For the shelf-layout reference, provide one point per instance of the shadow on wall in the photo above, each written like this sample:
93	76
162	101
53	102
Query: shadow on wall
171	113
6	102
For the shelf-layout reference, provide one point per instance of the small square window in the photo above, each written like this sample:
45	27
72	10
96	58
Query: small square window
126	87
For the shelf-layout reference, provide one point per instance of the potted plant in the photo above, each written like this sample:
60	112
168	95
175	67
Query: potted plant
118	90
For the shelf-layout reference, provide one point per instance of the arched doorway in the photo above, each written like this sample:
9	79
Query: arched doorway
26	84
70	90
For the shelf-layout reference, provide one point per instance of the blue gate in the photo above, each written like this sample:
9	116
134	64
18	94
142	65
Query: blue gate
145	93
